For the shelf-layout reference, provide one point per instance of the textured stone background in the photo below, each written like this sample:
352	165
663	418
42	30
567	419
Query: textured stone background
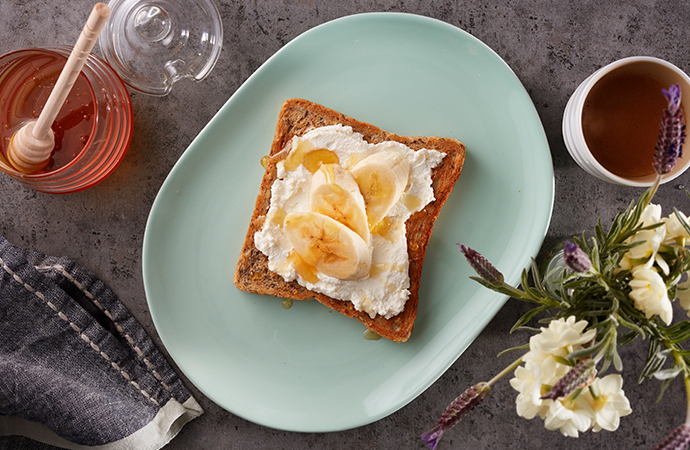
552	45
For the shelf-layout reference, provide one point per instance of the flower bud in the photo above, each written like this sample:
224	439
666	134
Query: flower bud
580	376
482	266
456	411
576	258
669	147
677	439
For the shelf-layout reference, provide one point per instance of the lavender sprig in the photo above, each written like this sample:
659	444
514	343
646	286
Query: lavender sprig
576	258
669	147
676	439
580	376
483	267
465	403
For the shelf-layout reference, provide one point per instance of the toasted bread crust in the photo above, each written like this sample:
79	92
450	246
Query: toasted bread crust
297	116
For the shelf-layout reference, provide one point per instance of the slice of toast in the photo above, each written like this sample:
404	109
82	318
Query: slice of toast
297	116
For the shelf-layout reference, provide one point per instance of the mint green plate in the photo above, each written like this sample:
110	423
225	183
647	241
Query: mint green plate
308	368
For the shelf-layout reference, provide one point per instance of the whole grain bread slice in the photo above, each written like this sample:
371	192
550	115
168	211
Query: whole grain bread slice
296	117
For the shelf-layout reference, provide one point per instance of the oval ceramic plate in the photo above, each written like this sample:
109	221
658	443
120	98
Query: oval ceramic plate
308	368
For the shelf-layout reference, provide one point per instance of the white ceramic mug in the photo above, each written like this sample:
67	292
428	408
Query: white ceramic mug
572	118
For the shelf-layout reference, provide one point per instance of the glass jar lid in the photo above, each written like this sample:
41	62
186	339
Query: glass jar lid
152	44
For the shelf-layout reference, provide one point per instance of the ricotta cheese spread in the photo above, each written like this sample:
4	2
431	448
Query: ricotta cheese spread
384	288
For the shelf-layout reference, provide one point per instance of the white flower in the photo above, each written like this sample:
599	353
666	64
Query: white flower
610	404
650	215
533	381
648	241
675	231
561	338
569	416
683	294
528	383
542	371
650	294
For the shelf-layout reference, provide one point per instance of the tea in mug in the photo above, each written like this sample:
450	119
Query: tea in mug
621	119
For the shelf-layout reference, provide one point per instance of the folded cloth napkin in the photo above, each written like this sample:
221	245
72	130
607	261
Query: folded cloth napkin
77	370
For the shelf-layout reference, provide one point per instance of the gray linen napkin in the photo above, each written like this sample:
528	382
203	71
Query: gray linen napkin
77	370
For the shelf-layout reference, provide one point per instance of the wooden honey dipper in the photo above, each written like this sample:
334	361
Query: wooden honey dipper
30	148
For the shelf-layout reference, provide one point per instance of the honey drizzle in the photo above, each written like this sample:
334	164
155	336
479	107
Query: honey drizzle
382	228
266	159
278	217
412	202
310	157
304	154
329	171
303	269
316	158
377	269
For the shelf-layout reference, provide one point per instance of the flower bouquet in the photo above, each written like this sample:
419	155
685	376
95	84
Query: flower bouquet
602	292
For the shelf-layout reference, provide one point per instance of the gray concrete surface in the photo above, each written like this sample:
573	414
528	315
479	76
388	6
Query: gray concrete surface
550	44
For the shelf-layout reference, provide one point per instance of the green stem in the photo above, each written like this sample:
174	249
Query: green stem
593	391
652	191
687	393
686	378
505	371
524	296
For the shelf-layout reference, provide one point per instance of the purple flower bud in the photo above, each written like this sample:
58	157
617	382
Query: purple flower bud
578	377
673	97
669	147
456	411
576	258
677	439
482	266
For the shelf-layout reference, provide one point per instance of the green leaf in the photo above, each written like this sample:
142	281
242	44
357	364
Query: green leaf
602	324
617	362
609	350
631	326
680	337
668	373
564	361
530	329
521	347
538	282
678	328
666	383
528	316
500	289
656	357
585	352
539	293
627	339
681	220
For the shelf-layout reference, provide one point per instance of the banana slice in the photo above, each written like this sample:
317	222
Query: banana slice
382	177
335	193
328	245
